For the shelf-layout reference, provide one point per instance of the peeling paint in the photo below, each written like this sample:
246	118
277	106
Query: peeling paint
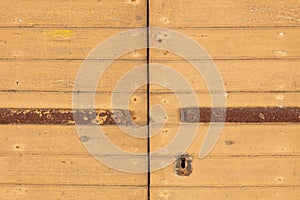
65	116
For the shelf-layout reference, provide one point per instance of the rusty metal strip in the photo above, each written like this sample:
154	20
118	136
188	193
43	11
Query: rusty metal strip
242	114
123	117
64	116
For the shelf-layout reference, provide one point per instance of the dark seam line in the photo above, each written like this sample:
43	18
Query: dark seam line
154	93
148	104
153	60
70	185
295	155
141	186
132	27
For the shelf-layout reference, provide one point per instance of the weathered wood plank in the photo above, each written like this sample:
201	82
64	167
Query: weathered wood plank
94	13
61	75
245	171
63	169
275	43
167	100
233	193
224	13
60	140
62	100
85	170
270	43
51	43
238	75
236	140
28	192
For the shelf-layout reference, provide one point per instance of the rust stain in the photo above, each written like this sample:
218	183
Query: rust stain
229	142
241	114
64	116
123	117
183	165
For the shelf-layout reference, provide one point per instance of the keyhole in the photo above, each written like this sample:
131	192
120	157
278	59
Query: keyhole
182	164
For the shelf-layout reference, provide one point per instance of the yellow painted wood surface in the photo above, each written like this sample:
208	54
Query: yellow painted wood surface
43	40
233	43
255	45
224	13
69	192
234	193
236	140
249	41
57	43
239	141
64	100
241	43
59	140
238	75
86	13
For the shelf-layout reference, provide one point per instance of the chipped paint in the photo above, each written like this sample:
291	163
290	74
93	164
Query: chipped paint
65	34
64	116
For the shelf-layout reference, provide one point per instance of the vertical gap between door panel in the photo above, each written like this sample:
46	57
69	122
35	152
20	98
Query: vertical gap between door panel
148	104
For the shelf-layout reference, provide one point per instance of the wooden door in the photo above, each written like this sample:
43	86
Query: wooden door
43	44
255	47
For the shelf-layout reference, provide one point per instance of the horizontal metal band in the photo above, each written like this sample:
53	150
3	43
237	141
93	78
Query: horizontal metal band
241	114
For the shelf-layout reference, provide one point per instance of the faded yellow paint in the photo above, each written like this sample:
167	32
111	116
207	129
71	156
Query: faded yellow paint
65	34
252	44
31	24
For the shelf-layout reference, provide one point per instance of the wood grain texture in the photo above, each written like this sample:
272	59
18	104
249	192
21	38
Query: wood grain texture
61	76
54	192
236	43
87	13
85	170
238	75
224	13
64	169
11	99
57	43
236	140
246	171
51	192
59	140
222	193
255	46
